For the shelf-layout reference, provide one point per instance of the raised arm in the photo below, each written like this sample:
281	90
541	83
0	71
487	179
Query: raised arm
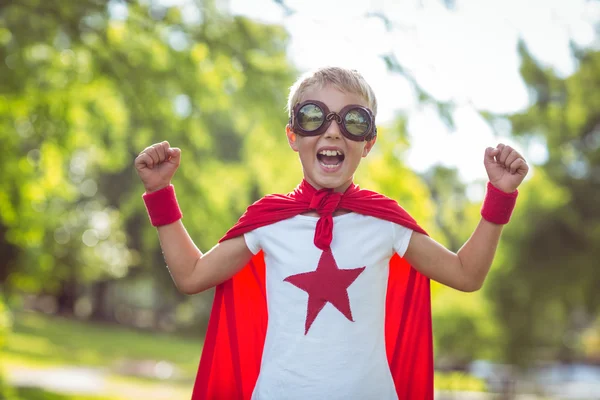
191	270
194	272
467	269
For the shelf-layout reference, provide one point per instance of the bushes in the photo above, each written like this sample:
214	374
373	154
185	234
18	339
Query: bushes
5	321
6	393
458	382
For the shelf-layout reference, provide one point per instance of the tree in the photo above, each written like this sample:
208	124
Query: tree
546	290
84	90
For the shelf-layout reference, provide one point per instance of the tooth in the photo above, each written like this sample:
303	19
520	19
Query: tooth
329	166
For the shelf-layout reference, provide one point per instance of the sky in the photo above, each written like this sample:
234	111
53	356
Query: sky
468	55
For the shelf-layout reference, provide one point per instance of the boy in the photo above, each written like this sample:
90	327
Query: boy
340	274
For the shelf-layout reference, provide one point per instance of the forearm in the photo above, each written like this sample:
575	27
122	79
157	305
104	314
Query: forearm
193	271
180	252
477	254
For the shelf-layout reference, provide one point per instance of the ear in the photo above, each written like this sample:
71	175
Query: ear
291	136
369	146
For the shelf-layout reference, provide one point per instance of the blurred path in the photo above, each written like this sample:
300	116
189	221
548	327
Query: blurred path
481	396
62	379
79	380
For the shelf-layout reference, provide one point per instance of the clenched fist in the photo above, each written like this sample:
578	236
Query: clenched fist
156	165
506	168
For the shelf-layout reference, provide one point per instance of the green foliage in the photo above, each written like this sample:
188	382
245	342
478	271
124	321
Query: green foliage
459	382
455	215
83	92
5	327
464	328
5	322
545	290
6	391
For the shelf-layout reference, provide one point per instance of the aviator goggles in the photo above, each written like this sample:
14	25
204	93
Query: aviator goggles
312	118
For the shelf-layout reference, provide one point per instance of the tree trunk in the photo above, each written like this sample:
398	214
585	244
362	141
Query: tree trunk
66	298
101	309
8	256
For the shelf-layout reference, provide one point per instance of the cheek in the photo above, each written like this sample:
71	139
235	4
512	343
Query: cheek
305	153
358	152
306	147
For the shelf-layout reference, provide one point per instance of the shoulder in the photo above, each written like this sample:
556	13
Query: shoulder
375	198
375	204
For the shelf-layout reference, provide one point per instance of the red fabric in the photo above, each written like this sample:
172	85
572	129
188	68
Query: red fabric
234	342
162	206
498	205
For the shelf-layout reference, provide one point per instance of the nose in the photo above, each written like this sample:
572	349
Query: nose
333	130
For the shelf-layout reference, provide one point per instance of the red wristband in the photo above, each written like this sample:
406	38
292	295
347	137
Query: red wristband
162	206
498	205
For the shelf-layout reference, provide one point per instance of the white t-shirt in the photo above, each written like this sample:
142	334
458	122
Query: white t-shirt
337	358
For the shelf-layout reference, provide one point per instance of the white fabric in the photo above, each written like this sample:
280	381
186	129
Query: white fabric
337	358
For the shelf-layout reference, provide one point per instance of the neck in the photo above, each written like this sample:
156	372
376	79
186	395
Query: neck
342	188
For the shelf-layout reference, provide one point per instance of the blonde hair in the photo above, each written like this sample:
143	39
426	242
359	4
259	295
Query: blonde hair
344	80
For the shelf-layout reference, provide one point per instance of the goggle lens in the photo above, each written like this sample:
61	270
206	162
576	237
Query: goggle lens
357	122
310	117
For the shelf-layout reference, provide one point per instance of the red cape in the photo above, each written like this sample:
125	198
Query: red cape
233	347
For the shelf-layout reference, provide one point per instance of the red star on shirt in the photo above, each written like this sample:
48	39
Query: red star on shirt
327	284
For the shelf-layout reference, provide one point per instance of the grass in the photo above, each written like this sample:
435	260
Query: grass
40	342
63	341
41	394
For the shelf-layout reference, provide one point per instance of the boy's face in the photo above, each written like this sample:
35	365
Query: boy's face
329	160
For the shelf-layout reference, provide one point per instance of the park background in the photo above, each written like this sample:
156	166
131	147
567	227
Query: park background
87	307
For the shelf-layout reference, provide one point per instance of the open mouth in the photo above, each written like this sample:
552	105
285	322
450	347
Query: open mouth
330	158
